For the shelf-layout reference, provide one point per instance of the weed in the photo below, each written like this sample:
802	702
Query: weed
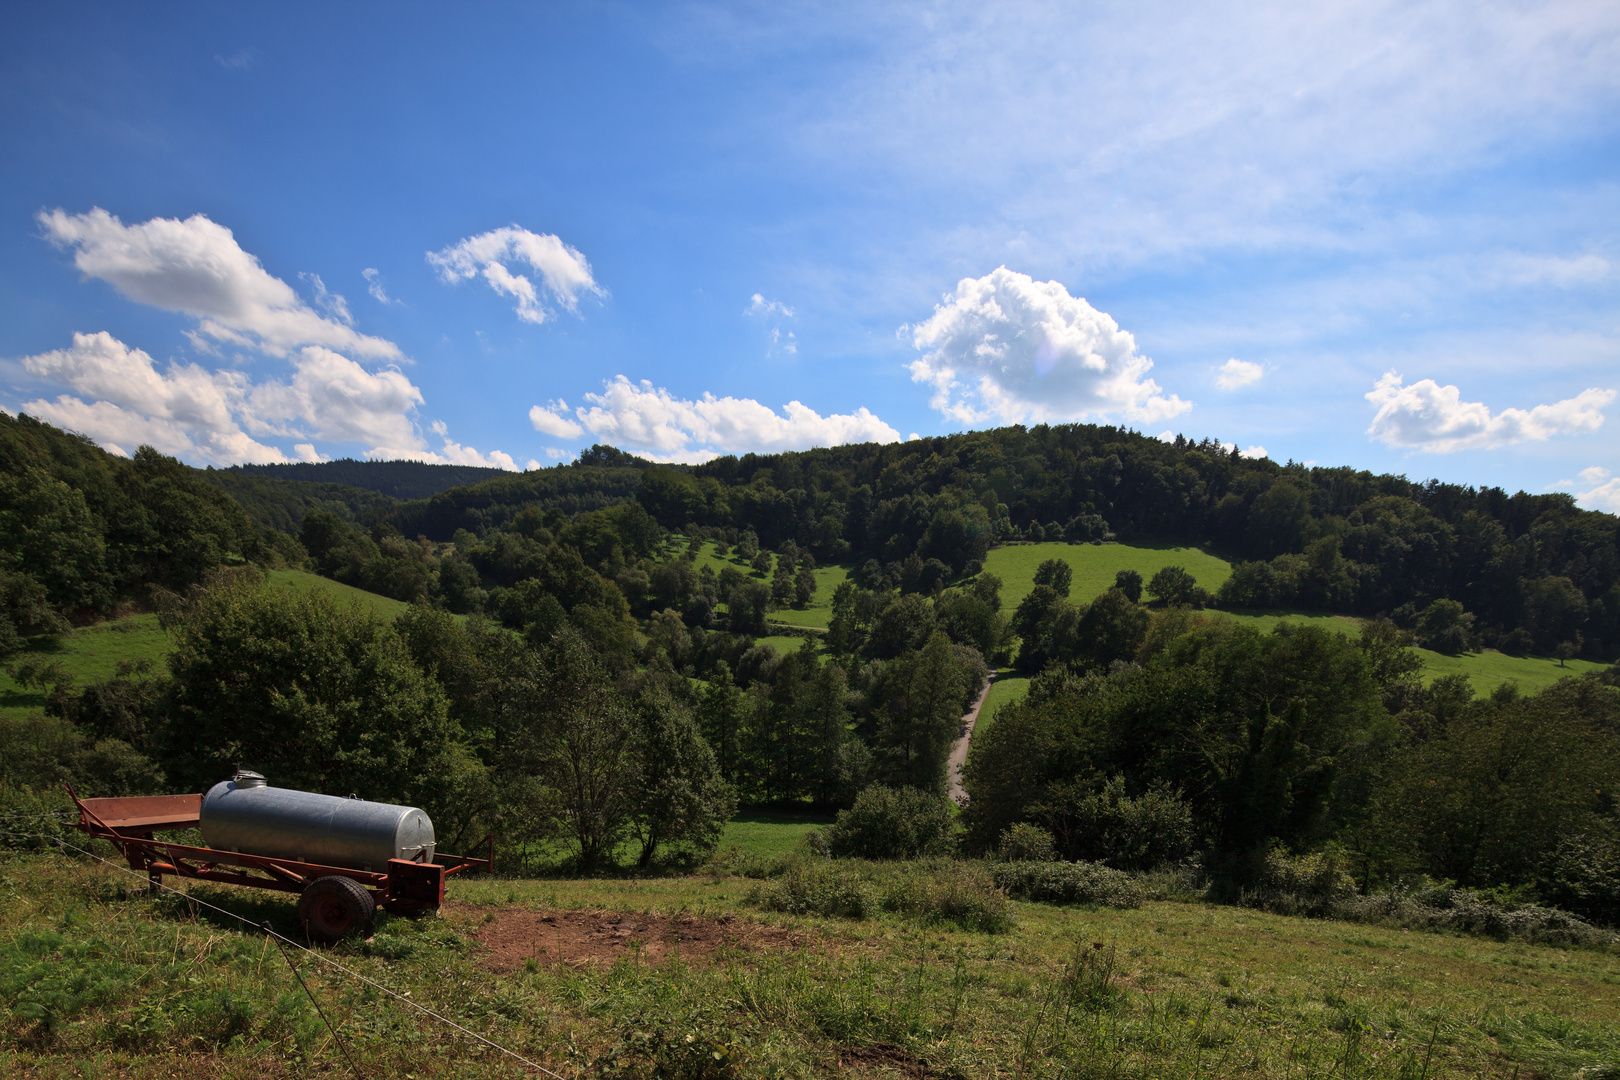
1069	883
949	891
813	886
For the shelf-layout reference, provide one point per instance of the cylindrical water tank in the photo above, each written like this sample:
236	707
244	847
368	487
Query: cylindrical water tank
247	816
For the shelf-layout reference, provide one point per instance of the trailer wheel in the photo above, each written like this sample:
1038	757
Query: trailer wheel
331	908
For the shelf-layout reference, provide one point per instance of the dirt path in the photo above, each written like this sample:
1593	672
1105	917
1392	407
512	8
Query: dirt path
959	751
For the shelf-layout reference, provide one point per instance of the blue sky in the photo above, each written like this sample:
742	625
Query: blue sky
1379	235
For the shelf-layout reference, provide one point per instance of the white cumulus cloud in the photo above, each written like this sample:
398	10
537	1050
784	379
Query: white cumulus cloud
1428	416
1235	373
197	268
653	421
1602	497
1604	492
551	419
1009	347
565	276
185	411
221	417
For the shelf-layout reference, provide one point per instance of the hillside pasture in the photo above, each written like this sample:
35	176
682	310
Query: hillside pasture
1095	565
90	654
303	581
1169	989
816	615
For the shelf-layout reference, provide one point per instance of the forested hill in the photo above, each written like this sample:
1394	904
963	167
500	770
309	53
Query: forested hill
1530	571
281	505
396	479
1525	571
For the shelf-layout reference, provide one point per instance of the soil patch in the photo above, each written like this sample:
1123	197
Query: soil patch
599	938
882	1058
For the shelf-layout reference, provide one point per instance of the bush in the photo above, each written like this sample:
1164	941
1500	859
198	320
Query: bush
1464	911
815	887
892	823
732	861
1068	883
954	892
1319	876
1583	875
1026	843
1105	826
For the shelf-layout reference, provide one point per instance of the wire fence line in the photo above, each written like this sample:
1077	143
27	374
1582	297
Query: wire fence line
266	929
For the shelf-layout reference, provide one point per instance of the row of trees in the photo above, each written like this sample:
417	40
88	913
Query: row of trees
920	513
540	740
81	530
1305	738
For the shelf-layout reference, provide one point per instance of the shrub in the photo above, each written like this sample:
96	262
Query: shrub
949	891
1068	883
1106	826
1026	843
732	861
892	823
1319	876
1583	874
1469	912
815	887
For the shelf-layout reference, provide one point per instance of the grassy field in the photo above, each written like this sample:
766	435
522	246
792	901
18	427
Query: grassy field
1008	687
99	980
817	614
89	655
1488	670
1095	565
769	835
303	581
783	645
93	653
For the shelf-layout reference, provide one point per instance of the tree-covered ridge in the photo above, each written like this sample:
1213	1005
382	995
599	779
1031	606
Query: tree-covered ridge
1534	571
281	505
397	479
81	529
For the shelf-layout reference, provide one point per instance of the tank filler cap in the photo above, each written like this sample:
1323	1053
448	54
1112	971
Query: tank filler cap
245	778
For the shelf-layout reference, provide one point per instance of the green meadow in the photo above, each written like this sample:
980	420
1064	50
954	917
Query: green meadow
1095	565
88	655
102	980
769	835
92	653
815	615
303	581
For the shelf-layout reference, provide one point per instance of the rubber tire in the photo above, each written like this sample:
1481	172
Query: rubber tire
332	908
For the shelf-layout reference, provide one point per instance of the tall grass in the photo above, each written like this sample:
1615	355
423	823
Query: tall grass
97	980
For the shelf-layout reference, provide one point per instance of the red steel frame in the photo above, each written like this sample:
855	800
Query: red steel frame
129	823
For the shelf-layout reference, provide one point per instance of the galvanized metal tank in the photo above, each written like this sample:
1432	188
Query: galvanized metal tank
246	815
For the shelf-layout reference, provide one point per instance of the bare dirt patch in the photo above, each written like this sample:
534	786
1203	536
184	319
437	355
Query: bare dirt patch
599	938
883	1059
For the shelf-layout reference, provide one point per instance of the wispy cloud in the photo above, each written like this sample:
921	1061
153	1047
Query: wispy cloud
1235	373
196	267
773	311
240	60
565	276
374	286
